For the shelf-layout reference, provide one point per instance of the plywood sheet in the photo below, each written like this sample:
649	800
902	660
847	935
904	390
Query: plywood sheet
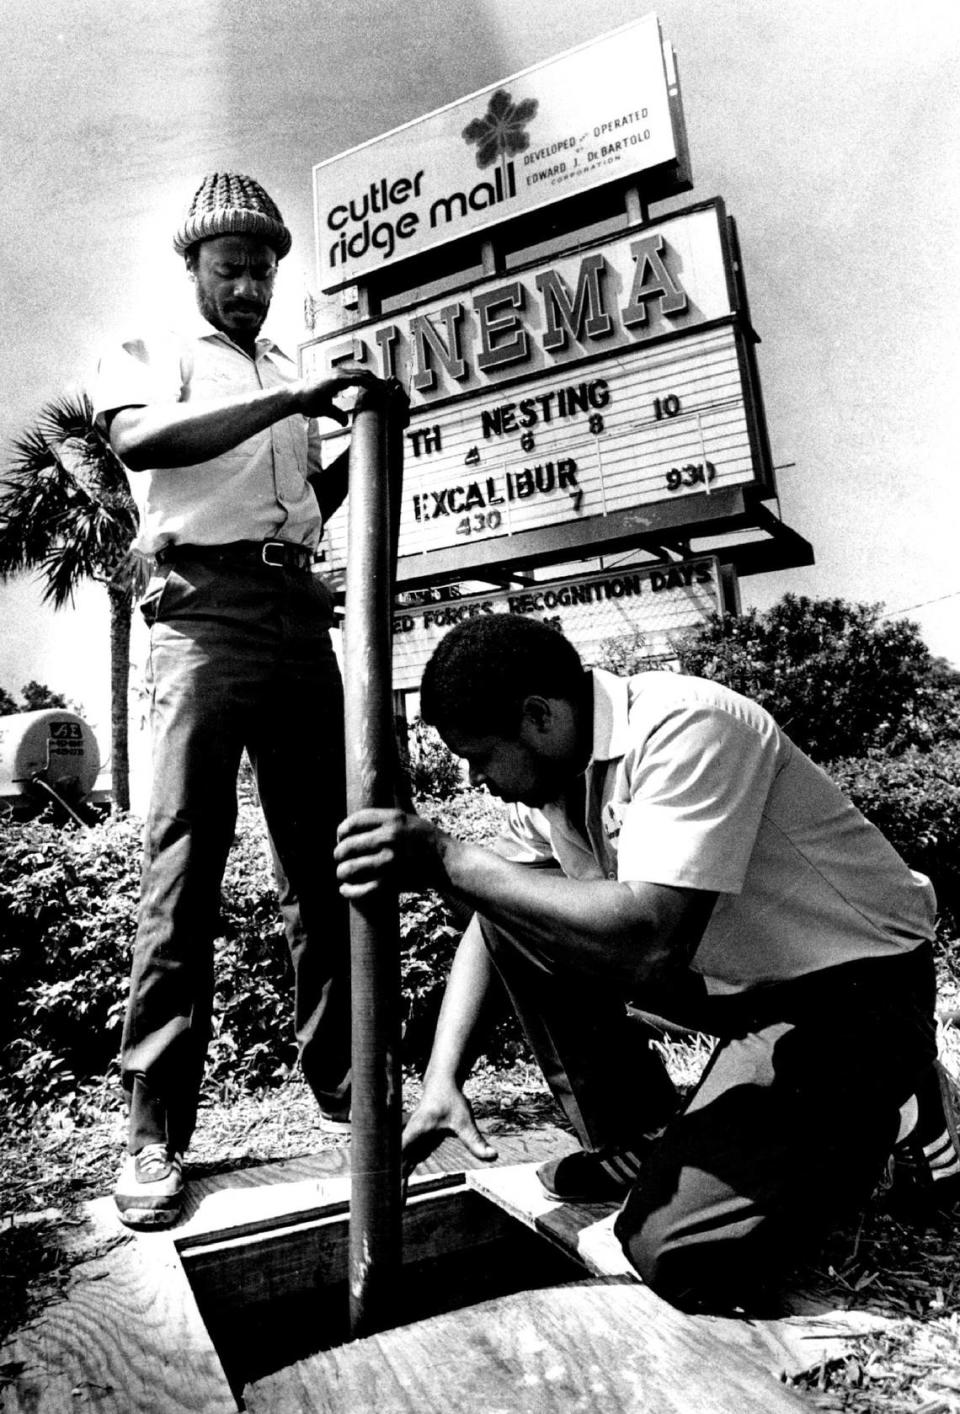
602	1344
787	1345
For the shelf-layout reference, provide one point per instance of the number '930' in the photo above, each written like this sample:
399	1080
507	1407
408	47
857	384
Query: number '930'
692	474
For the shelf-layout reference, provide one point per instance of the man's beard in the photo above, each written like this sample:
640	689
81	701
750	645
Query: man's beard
213	316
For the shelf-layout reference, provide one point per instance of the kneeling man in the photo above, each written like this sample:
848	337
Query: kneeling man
668	846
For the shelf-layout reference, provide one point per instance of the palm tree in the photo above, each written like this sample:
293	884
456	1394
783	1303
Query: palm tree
66	511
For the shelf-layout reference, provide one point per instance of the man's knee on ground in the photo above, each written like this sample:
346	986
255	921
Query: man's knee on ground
665	1269
715	1275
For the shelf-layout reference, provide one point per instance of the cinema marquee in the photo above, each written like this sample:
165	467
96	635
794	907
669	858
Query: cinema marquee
568	396
658	602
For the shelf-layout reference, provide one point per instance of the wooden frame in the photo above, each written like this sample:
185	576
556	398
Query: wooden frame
129	1334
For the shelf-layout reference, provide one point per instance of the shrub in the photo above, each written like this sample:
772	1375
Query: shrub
67	914
68	909
433	769
253	1041
914	799
430	931
68	906
838	677
627	654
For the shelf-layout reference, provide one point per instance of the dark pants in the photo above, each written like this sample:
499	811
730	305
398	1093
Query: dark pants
240	657
786	1134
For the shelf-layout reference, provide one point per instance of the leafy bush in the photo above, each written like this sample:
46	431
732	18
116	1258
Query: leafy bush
253	1042
67	914
836	676
430	931
433	769
628	653
914	799
68	908
34	697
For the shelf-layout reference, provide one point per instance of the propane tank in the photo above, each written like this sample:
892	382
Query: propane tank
46	755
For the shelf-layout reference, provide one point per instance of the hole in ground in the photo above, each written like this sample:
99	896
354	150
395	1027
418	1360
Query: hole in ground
272	1298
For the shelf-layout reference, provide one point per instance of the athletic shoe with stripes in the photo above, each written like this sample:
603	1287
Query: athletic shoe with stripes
925	1167
597	1176
149	1189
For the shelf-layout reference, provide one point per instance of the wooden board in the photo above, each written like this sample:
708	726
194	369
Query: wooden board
128	1338
609	1345
787	1346
232	1202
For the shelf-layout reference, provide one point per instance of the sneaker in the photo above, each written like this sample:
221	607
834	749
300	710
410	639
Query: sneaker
603	1176
334	1123
924	1169
149	1189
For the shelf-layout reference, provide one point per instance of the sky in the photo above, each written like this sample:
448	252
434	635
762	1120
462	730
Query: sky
829	128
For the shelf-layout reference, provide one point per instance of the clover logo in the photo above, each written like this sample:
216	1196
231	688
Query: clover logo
500	132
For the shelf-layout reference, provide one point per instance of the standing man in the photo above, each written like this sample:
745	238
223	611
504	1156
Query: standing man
217	432
668	845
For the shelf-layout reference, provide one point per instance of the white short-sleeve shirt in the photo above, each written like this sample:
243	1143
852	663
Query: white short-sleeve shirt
692	785
257	490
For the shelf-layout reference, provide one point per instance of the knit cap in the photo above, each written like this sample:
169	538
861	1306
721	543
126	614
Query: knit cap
230	204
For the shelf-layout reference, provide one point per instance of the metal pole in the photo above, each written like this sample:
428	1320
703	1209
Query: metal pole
375	1203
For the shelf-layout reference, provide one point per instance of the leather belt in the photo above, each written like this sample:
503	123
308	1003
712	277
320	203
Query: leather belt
277	554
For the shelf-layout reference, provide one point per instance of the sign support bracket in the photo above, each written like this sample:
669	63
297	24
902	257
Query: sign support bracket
636	207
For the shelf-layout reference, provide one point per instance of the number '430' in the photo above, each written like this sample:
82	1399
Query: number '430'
478	522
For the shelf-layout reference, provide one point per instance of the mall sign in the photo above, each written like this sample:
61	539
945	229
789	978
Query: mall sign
605	110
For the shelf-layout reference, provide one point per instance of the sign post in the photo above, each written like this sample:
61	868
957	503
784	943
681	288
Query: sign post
375	1197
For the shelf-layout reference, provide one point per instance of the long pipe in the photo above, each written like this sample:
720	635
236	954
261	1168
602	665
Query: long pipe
376	1109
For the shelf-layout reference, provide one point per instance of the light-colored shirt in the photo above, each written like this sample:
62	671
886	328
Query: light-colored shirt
256	491
692	785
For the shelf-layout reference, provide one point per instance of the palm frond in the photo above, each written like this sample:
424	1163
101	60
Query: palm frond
67	423
69	415
33	496
65	505
31	449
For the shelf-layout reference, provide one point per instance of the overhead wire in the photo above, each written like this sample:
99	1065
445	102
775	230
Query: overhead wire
954	593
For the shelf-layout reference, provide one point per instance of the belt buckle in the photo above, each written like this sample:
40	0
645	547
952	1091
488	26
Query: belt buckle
280	549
